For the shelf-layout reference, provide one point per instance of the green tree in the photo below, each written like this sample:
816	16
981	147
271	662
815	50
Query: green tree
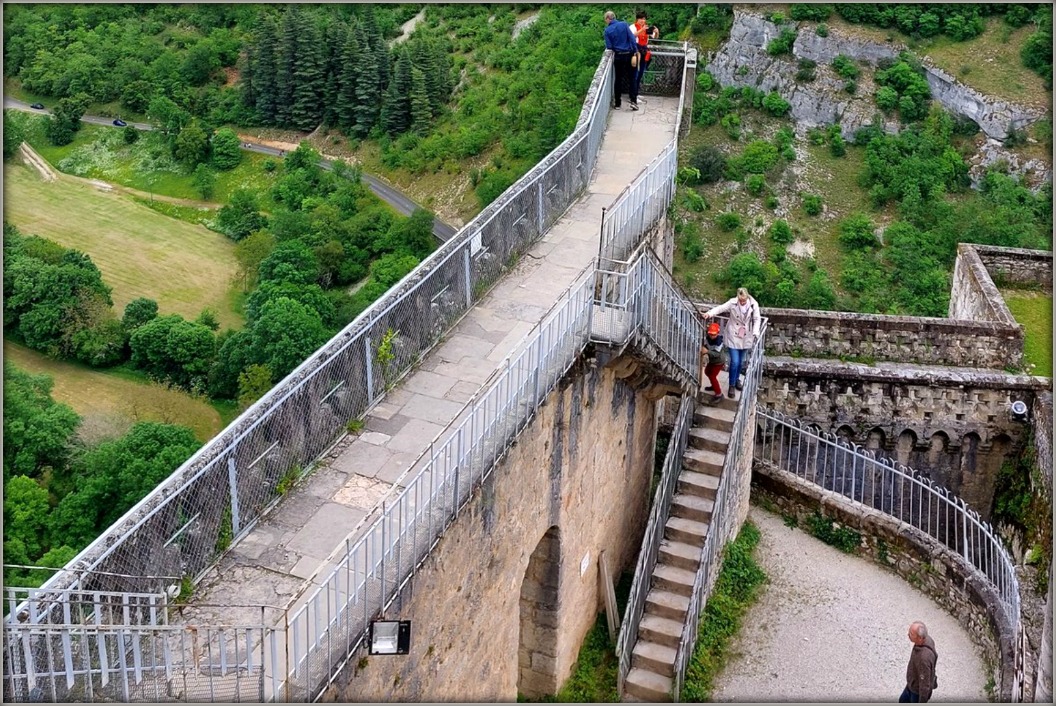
250	252
253	383
820	294
26	512
241	216
37	429
856	232
285	333
191	145
291	261
310	295
263	60
781	232
396	111
170	348
227	149
14	134
138	312
421	111
309	78
204	180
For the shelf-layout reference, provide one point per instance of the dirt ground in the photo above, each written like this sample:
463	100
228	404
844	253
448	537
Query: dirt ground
832	627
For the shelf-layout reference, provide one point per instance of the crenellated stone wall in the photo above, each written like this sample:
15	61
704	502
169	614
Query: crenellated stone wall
915	340
952	424
503	602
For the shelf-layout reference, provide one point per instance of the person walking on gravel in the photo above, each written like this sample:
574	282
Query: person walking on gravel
920	674
742	331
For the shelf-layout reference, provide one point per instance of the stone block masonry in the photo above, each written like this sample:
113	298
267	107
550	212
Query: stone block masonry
1016	267
502	604
973	294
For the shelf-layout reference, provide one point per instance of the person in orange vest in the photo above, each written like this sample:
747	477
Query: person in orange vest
642	31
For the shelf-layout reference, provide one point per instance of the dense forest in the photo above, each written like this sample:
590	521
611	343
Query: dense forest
487	90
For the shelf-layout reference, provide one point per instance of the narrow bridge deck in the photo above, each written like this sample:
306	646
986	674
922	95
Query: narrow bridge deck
278	562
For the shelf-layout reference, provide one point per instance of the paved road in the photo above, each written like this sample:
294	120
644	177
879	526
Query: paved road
389	194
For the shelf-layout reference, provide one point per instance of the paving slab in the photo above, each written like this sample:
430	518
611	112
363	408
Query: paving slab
324	530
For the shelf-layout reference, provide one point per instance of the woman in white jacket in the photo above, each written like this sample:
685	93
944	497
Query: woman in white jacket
742	330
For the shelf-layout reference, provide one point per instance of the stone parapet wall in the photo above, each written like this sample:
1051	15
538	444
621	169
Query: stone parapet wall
1016	267
1041	418
905	339
973	294
940	573
953	424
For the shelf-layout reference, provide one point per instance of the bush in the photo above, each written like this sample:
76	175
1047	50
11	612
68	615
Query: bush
810	13
781	233
812	204
856	232
755	183
758	157
822	30
820	294
806	70
782	44
775	104
130	134
771	202
845	66
731	123
728	221
837	146
850	86
886	98
709	161
816	136
692	245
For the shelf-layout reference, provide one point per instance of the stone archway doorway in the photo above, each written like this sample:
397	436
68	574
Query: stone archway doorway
537	651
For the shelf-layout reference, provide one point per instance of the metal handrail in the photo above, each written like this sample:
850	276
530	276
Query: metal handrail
720	531
654	534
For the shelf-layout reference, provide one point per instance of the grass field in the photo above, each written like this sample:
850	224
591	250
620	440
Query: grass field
112	401
141	253
1034	311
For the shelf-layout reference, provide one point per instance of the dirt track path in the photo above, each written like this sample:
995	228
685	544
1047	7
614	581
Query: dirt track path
832	627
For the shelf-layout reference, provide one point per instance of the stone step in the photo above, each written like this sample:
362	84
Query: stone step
673	580
680	529
701	461
713	418
705	399
662	631
654	657
647	686
692	507
709	439
680	555
704	485
667	604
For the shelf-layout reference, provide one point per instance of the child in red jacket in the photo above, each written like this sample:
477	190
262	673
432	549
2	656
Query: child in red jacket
716	353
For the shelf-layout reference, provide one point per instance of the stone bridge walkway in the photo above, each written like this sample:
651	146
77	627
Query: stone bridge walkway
276	564
837	634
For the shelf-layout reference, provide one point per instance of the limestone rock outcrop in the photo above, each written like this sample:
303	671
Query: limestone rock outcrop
743	61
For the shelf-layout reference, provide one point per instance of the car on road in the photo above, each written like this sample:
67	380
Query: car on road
37	106
119	122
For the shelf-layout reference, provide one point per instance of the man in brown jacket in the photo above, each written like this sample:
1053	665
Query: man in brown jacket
920	674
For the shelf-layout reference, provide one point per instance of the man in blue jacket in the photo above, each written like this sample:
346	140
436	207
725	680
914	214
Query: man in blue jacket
623	42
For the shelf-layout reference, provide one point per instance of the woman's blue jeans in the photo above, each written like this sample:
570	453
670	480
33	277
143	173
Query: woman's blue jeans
738	357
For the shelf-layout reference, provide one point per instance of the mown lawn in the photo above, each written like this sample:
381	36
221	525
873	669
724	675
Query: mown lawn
141	253
109	401
1034	311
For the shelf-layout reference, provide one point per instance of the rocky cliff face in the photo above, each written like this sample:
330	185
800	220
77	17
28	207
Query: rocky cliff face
743	61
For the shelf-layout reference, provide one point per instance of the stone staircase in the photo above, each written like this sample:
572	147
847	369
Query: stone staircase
666	605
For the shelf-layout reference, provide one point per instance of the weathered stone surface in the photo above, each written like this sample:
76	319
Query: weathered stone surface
743	61
991	153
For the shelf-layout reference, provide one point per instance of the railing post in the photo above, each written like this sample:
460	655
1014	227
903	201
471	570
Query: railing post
232	481
469	279
370	367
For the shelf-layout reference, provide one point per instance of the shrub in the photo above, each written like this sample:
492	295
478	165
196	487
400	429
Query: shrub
709	161
810	13
816	136
845	66
782	44
772	202
705	81
837	146
822	30
812	204
728	221
692	245
856	232
270	165
781	232
731	123
775	104
777	18
886	98
755	183
758	157
850	86
130	134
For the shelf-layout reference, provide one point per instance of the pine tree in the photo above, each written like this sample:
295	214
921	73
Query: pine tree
285	65
263	71
421	112
350	64
369	93
309	78
335	47
396	113
372	37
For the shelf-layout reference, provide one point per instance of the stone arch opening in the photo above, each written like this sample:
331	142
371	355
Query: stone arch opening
904	448
846	433
537	651
875	440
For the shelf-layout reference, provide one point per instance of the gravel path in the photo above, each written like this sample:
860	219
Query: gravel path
832	627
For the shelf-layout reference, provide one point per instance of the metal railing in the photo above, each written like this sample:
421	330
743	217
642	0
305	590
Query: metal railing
642	204
179	529
644	302
721	529
654	534
830	462
223	489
